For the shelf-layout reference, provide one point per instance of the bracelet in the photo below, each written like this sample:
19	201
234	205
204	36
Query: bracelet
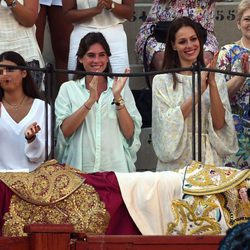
30	139
118	102
88	108
121	107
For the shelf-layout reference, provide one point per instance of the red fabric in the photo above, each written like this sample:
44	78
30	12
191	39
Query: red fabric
5	197
107	186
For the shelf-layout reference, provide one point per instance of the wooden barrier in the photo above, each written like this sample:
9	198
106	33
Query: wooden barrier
49	237
105	242
14	243
60	237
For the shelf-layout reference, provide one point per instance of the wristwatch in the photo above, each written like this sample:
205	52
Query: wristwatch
12	4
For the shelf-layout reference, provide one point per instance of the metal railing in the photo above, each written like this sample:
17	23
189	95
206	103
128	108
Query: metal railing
50	95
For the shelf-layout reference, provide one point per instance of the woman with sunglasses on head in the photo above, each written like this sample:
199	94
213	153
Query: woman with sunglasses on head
22	119
172	104
167	10
97	122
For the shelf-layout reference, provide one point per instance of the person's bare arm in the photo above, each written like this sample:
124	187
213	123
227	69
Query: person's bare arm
124	10
27	13
74	15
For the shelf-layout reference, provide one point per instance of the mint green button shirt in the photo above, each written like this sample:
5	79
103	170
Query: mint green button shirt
98	144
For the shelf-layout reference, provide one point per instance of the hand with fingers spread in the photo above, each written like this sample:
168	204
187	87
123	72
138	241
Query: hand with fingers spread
31	131
245	63
209	77
93	90
119	84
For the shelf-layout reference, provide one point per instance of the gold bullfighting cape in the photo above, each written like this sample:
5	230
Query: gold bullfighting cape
216	198
54	194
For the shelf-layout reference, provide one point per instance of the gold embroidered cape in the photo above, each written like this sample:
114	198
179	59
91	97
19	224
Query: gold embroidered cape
211	203
53	194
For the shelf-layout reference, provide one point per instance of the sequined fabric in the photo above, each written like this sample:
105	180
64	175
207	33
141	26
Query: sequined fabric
48	184
215	199
53	194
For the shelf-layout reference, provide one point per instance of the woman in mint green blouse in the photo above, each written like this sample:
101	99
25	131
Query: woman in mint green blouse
97	122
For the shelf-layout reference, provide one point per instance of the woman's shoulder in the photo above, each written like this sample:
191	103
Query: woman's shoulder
71	85
162	77
232	48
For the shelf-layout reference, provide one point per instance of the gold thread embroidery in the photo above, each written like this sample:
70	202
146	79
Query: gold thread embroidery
194	217
204	179
49	183
83	209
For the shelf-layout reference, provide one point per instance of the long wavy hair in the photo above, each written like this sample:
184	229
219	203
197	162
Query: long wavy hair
85	43
29	87
171	58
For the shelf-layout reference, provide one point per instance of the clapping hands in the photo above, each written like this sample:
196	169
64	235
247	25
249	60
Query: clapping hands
209	77
245	63
119	84
104	4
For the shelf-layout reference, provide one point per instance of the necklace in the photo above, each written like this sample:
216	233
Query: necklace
15	106
242	44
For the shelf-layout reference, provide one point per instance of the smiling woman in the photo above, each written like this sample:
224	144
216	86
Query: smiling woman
97	122
22	123
172	104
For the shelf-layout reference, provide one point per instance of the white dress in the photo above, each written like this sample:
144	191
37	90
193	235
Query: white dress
172	135
15	153
16	37
51	2
110	26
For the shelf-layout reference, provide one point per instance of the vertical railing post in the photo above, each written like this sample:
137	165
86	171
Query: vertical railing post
49	81
193	115
196	70
199	110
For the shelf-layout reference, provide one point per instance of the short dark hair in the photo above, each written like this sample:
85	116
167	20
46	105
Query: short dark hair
86	42
29	87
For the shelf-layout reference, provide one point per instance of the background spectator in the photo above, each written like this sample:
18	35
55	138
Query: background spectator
235	57
51	11
17	32
167	10
103	16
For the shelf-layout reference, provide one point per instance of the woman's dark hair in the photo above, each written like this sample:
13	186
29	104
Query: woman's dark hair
29	87
85	43
171	58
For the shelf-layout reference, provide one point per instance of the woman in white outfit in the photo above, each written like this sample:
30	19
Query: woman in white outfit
17	32
22	117
103	16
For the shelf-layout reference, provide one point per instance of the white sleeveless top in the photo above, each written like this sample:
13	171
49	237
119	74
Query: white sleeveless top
16	37
51	2
103	20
